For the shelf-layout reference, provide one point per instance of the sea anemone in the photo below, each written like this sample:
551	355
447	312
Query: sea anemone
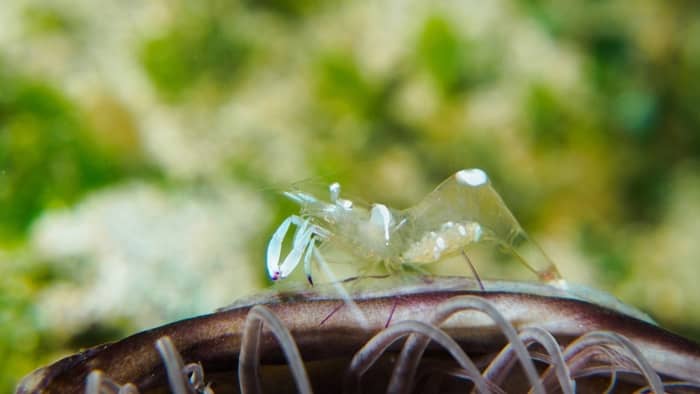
511	337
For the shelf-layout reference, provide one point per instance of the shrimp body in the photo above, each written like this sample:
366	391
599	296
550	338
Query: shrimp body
370	233
461	211
450	239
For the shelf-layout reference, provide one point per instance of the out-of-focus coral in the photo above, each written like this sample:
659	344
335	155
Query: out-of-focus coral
139	252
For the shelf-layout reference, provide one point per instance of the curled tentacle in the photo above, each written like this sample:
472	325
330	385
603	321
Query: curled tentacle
434	373
408	362
182	379
174	366
605	339
98	383
195	377
674	387
375	347
502	363
249	358
457	304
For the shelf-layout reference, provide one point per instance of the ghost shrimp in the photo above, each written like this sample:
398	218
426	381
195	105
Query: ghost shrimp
463	210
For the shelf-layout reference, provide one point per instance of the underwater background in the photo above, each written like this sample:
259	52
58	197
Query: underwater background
143	145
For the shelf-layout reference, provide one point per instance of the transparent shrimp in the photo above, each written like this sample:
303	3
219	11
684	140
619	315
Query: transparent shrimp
462	211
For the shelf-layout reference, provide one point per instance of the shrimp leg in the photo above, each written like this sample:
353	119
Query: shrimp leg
354	309
473	269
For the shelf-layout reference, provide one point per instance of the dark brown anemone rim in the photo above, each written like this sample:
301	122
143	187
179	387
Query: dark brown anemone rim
598	344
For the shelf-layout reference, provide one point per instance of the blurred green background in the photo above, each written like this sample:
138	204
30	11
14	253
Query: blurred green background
140	143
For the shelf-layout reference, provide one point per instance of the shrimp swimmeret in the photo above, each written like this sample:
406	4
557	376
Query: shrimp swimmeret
461	211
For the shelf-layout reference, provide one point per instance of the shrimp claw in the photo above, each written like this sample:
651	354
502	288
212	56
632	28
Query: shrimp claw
302	246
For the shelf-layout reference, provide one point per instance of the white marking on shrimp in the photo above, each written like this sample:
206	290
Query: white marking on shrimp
472	177
335	191
462	230
381	217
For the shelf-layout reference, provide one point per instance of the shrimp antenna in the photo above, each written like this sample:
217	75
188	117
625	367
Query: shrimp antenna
338	285
474	271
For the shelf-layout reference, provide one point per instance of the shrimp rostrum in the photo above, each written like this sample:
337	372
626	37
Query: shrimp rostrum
463	210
